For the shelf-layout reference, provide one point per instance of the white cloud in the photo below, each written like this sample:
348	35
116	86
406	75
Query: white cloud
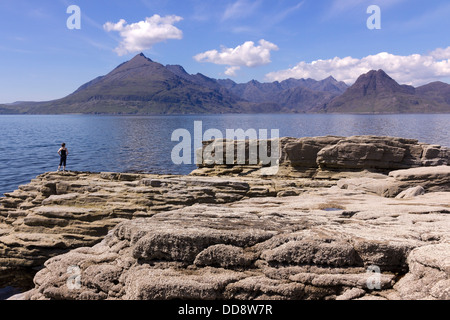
231	71
441	54
414	69
142	35
246	54
276	18
240	9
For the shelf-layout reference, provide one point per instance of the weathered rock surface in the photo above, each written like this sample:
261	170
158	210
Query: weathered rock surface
402	183
411	192
343	218
56	212
323	157
323	244
429	276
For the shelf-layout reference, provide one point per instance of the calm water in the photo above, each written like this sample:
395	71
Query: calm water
29	143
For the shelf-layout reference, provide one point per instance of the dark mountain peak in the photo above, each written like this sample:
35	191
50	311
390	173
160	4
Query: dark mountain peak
379	72
330	84
177	69
290	83
330	79
198	79
141	56
377	92
254	82
375	82
141	67
376	74
139	59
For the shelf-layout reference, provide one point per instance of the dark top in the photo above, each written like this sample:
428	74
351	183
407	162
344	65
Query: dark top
63	153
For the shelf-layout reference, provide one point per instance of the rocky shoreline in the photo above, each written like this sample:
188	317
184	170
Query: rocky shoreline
343	218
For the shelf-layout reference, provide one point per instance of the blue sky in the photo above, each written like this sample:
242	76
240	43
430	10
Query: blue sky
266	40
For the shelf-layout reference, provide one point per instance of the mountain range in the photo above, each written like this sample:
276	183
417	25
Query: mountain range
376	92
142	86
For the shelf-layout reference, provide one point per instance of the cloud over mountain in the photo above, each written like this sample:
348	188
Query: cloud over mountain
414	69
142	35
247	54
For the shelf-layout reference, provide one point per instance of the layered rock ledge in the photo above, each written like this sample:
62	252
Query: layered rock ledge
57	212
347	233
320	157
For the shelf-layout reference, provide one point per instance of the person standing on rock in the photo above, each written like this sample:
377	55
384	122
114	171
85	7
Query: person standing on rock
63	153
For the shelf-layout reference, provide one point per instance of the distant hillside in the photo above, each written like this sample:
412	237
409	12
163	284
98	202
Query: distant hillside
4	109
298	95
376	92
292	95
436	91
142	86
255	91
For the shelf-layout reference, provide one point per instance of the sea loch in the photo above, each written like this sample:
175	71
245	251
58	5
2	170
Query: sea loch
30	143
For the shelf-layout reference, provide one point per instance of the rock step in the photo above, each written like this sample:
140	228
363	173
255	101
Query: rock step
305	157
293	249
91	204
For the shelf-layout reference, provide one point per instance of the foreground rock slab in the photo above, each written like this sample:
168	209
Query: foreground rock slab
58	212
322	244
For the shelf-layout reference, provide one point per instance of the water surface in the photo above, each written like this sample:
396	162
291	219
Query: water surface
29	143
